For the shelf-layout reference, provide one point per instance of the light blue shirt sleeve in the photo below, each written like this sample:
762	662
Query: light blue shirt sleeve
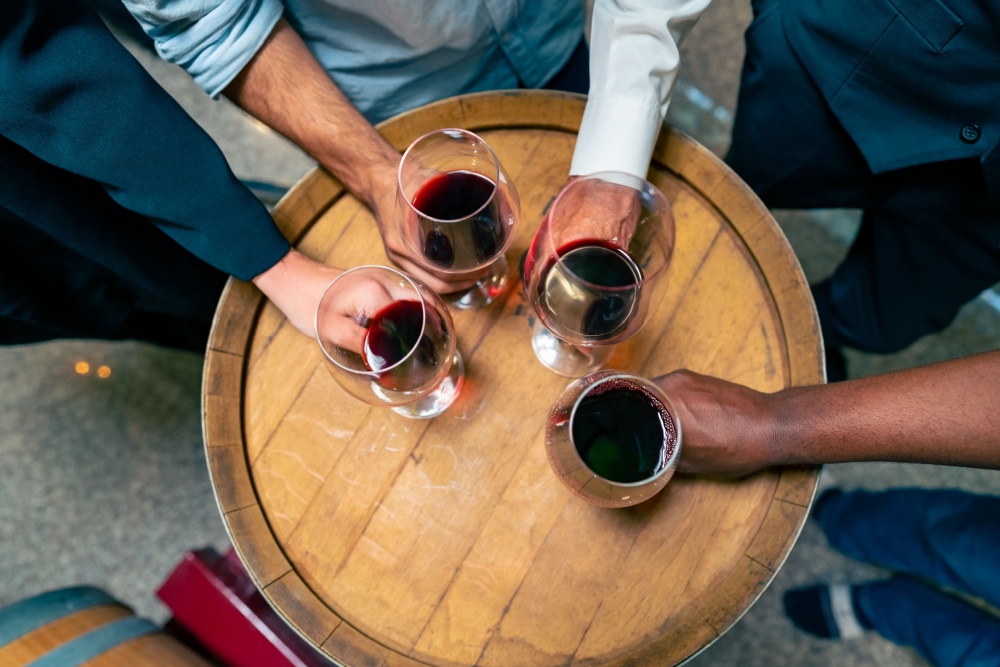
212	39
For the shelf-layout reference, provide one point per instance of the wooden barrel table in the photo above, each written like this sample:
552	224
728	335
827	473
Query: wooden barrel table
449	542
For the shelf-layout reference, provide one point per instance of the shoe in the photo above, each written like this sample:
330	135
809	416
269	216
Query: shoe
828	611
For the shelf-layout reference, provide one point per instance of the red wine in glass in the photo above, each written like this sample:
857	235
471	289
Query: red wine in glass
594	270
401	346
613	438
468	197
589	290
457	212
389	340
623	432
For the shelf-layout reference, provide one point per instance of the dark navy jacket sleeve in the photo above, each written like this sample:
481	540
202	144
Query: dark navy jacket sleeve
73	96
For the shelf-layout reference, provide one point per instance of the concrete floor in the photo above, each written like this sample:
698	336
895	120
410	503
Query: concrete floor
104	479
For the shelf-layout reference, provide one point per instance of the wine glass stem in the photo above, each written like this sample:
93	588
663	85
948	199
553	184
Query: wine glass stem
565	358
487	290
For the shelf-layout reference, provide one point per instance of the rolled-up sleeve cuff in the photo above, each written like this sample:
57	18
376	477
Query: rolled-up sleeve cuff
616	134
216	46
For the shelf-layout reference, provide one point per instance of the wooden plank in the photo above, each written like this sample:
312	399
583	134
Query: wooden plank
680	540
31	645
771	544
743	584
349	647
295	464
305	201
223	375
797	485
255	545
230	478
301	609
222	421
496	564
406	128
234	317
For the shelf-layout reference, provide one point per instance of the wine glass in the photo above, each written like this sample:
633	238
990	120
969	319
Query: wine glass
457	211
389	340
595	267
613	439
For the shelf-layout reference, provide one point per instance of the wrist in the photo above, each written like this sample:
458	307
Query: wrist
368	174
772	429
294	285
791	426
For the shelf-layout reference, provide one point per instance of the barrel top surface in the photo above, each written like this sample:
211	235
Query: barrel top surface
449	542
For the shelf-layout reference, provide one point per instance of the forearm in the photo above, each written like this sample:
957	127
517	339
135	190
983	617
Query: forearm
92	110
285	87
946	413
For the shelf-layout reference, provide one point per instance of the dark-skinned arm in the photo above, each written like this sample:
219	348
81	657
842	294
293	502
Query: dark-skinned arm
946	413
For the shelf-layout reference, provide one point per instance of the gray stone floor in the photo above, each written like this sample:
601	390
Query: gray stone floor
104	480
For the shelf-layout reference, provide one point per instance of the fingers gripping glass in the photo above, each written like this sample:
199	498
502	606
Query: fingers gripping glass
595	267
457	211
389	341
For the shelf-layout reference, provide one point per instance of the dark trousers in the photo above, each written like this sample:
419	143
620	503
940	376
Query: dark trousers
938	542
930	238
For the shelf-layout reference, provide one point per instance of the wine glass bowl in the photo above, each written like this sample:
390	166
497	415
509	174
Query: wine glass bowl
389	340
594	268
457	211
613	438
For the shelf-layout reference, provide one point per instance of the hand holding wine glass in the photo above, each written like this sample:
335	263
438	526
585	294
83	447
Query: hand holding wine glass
346	320
594	267
389	340
597	209
383	205
613	439
457	211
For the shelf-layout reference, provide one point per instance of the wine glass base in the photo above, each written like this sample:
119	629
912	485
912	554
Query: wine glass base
565	358
439	400
483	293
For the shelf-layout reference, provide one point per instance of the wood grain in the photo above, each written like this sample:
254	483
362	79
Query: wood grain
448	542
152	650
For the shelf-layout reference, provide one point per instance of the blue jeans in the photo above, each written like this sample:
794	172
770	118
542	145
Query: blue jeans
936	541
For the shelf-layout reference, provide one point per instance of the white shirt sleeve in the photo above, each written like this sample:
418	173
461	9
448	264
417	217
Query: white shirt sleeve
212	39
634	62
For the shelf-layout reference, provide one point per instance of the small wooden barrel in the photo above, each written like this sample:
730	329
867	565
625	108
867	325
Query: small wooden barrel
85	626
399	543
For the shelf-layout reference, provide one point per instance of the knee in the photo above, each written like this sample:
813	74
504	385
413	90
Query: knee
853	318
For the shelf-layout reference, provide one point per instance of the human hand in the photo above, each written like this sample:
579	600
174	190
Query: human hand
294	286
597	209
727	429
348	307
296	283
383	204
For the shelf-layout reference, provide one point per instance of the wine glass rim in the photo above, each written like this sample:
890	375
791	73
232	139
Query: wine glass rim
660	395
645	277
423	314
495	180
